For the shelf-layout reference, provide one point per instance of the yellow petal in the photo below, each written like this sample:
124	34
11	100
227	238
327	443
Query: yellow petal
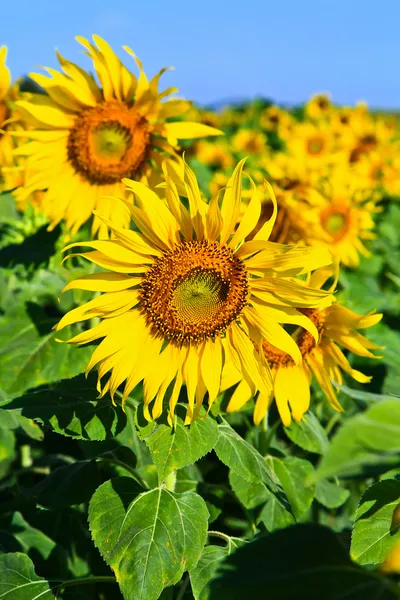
273	333
266	229
240	396
231	202
186	130
102	282
249	219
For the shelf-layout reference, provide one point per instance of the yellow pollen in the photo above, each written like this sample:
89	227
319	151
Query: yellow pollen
304	340
192	293
109	142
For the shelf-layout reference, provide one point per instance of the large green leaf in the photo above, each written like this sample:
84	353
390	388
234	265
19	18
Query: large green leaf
330	494
303	561
367	440
173	448
31	356
205	570
376	528
11	420
7	450
246	461
250	493
148	538
308	434
71	407
17	535
18	580
294	473
68	485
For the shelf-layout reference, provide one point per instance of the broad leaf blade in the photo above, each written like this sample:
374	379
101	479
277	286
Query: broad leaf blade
308	434
18	580
376	529
283	567
246	461
173	448
205	570
71	407
367	440
30	355
68	485
148	538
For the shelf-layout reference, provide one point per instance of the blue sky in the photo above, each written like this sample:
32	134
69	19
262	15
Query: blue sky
285	50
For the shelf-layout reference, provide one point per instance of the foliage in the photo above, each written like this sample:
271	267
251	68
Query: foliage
98	502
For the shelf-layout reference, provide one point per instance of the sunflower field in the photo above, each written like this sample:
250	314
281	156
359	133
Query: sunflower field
200	342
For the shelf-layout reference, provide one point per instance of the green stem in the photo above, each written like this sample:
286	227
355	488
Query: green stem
267	437
128	468
332	422
224	537
183	588
84	581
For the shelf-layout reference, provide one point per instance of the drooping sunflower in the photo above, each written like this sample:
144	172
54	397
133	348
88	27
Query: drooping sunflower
85	138
185	292
322	358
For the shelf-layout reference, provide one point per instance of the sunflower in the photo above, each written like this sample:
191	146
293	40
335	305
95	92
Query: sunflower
217	155
322	358
86	138
8	95
274	118
185	292
340	216
312	144
319	106
249	141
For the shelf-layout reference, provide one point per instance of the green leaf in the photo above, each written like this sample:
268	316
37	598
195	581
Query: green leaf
369	439
71	407
205	570
331	495
7	451
30	355
72	484
308	434
188	478
293	473
149	539
250	493
174	448
246	461
302	561
17	535
18	580
16	422
377	523
274	516
366	397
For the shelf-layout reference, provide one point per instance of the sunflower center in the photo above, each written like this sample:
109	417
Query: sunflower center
108	142
335	222
315	145
192	293
304	340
